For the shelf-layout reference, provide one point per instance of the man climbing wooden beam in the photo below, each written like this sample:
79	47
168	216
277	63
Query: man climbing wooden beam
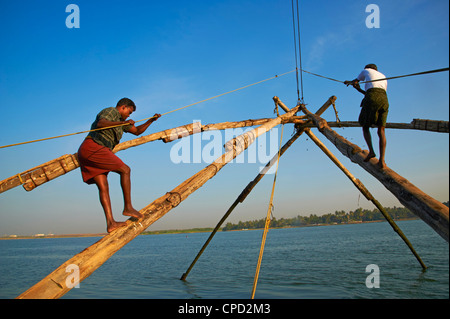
431	211
360	186
34	177
374	108
96	158
258	177
87	261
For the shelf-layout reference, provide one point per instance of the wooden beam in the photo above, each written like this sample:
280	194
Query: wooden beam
430	125
241	198
54	285
36	176
437	126
280	104
252	184
360	186
431	211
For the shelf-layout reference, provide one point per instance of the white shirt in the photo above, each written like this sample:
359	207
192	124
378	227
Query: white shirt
370	75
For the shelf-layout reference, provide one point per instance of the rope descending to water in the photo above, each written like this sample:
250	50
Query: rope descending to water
266	227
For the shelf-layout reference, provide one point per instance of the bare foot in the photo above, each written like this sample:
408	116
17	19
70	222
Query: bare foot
381	164
369	156
132	213
114	225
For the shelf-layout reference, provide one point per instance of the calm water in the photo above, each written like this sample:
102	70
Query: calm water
301	263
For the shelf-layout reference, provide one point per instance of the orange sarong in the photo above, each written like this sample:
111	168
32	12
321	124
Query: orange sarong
96	159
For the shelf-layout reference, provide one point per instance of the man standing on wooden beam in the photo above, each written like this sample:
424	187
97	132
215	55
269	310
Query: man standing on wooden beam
97	159
375	107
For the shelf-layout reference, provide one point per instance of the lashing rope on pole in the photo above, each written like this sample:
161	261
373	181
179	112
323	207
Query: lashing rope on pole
178	109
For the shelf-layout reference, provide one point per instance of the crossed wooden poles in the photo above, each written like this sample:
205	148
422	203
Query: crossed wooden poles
54	285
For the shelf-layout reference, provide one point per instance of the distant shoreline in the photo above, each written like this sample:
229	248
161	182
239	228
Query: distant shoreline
186	231
52	236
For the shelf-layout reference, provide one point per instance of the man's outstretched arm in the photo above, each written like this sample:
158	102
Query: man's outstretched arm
138	130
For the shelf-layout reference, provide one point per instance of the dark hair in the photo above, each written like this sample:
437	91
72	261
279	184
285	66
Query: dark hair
371	66
126	101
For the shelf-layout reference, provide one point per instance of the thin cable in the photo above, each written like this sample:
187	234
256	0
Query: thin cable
300	52
389	78
321	76
298	57
295	49
412	74
266	227
104	128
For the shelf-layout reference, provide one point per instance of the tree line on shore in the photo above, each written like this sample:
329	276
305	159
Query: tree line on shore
339	217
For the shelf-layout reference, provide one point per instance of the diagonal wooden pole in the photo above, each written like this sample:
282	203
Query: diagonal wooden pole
255	181
266	225
360	186
55	284
431	211
241	199
43	173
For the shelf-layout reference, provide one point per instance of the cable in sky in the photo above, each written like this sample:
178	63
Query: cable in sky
388	78
298	58
178	109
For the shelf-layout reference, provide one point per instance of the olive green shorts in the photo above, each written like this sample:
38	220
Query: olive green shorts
375	107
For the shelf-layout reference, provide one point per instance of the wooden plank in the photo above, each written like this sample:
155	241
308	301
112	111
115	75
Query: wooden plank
43	173
360	186
431	211
54	285
50	170
435	126
252	184
430	125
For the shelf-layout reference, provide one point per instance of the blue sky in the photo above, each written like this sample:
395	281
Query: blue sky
164	55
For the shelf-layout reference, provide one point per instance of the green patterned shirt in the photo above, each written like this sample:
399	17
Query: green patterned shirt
109	137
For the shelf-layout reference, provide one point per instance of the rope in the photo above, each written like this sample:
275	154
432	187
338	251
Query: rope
295	49
299	52
266	227
412	74
336	113
389	78
298	60
321	76
178	109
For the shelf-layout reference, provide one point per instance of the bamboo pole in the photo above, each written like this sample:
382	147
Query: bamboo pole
360	186
36	176
241	199
280	104
416	124
54	285
431	211
266	225
258	177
